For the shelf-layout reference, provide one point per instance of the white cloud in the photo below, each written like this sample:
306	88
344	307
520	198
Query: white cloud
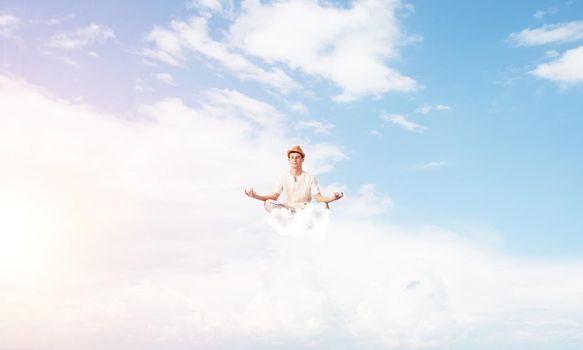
376	133
140	86
144	238
539	14
566	70
426	108
208	8
82	37
209	5
547	34
403	122
316	126
443	108
552	54
8	25
166	78
348	46
366	204
299	107
172	45
432	165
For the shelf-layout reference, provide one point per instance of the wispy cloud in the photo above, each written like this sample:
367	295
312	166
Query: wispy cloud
82	37
553	10
376	133
540	14
316	126
299	107
348	46
566	70
547	34
166	78
209	8
432	165
368	202
403	122
53	21
172	45
8	25
552	54
426	108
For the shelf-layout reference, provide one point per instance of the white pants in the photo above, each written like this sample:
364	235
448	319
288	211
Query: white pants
271	204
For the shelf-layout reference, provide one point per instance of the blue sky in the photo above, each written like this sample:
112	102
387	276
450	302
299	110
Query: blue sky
461	117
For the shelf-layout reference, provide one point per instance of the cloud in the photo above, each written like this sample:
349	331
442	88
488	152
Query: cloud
553	10
552	54
403	122
208	8
8	25
566	70
376	133
299	107
174	44
426	108
82	37
347	46
144	239
547	34
432	165
316	126
540	14
367	203
166	78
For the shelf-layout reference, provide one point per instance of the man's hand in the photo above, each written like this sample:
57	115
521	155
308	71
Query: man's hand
337	196
251	193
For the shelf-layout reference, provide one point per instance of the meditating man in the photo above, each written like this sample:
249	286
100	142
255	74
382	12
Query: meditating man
299	187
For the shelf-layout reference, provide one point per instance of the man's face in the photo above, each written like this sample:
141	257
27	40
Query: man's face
295	160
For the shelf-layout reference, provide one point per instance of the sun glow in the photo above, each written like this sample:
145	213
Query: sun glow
22	236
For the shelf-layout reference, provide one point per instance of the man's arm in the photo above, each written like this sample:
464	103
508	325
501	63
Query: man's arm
251	193
337	195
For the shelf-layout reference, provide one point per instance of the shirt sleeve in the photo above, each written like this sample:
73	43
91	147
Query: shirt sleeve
315	187
278	187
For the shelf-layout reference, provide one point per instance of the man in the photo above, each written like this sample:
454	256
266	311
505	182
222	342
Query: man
299	187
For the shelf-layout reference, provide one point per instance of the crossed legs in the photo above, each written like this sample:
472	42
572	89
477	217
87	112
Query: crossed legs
271	204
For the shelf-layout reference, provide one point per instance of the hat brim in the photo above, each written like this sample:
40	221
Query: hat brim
294	151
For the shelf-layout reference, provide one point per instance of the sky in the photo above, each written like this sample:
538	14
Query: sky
130	129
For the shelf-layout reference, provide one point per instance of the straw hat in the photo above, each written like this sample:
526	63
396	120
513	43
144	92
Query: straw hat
296	149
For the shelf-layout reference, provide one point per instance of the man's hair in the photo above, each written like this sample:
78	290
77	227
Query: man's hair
290	153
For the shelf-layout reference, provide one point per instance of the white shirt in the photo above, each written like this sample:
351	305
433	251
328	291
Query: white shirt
298	190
